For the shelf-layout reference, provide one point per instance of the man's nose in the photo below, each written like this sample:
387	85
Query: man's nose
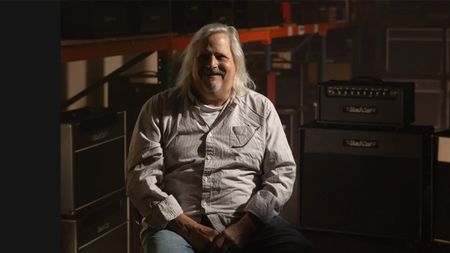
212	61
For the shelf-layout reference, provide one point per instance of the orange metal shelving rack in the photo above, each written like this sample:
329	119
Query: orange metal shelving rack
73	50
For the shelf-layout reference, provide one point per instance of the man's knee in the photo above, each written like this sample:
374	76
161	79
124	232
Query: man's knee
296	242
291	240
280	237
165	241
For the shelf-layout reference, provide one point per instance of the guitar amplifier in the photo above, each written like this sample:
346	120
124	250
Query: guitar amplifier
366	102
102	227
441	188
129	93
366	181
92	157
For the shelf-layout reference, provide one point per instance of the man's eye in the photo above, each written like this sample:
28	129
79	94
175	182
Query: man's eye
203	57
221	57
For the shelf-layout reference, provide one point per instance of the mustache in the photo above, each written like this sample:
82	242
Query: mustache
212	72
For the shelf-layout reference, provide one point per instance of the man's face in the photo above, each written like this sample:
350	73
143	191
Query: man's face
214	70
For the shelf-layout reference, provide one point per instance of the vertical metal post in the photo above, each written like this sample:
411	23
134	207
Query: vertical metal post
270	75
446	80
323	59
268	57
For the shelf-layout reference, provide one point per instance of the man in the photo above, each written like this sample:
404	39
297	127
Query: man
209	163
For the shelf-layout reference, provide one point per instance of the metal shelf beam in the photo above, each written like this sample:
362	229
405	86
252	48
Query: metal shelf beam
73	50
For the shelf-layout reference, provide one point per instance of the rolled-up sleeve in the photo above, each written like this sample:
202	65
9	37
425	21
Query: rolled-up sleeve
278	171
145	170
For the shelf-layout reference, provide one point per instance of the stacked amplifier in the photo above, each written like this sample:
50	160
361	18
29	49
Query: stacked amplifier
440	215
366	102
93	205
365	170
129	93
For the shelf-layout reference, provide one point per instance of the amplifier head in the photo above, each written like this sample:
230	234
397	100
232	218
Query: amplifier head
361	102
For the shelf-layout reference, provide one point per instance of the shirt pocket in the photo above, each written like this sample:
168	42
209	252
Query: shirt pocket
241	135
246	147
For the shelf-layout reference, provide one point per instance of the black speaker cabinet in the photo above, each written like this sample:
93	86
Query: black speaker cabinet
364	181
94	19
249	14
99	228
414	52
290	121
128	93
154	17
189	16
288	86
92	157
441	187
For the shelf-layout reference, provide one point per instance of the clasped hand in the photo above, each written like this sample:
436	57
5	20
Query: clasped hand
207	240
231	240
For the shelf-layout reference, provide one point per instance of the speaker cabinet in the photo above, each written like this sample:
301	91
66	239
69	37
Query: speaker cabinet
129	93
153	17
429	102
290	121
92	157
441	187
190	16
288	85
249	14
364	181
427	45
99	228
94	19
327	242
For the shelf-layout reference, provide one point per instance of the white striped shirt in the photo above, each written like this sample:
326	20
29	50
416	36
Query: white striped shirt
177	163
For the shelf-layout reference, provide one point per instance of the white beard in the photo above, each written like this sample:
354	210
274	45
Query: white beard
212	85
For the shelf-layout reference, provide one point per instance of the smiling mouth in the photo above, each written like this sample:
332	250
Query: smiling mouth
213	73
213	76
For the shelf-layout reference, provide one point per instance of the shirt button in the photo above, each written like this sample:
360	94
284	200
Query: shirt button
205	179
210	134
208	157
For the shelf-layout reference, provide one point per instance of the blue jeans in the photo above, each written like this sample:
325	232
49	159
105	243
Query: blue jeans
276	237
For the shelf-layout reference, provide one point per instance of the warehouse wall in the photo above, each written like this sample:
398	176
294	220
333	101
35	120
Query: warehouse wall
78	75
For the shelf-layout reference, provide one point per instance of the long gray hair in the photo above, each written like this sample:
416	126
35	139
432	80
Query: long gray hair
242	81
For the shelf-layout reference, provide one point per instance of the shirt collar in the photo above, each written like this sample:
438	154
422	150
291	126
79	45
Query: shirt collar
233	100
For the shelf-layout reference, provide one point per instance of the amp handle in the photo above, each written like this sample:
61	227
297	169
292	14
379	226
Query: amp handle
368	78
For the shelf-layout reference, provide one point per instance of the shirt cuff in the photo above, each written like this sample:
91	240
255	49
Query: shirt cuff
264	205
163	212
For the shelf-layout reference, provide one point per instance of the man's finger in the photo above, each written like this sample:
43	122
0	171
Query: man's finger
226	246
217	244
229	246
235	249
